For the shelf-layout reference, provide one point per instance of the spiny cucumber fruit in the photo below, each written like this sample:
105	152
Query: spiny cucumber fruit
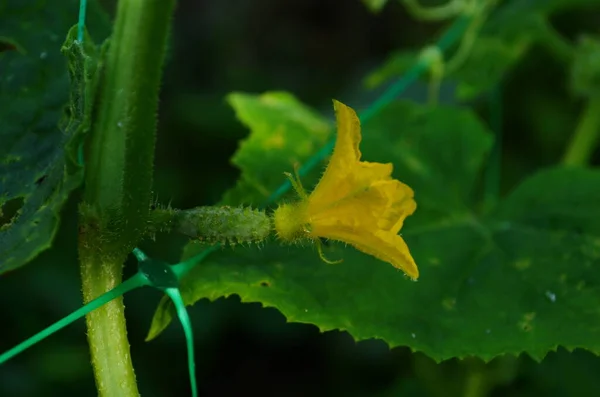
225	225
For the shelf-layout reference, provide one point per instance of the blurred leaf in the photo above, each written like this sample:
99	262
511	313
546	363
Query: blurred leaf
375	5
549	131
548	378
38	166
500	45
284	131
490	58
514	12
585	71
454	377
488	62
521	279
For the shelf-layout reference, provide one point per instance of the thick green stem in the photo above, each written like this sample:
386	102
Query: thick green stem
106	330
121	151
119	166
586	135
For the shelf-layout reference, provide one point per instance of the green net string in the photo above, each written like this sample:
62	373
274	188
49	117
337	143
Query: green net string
163	276
151	272
130	284
184	319
81	21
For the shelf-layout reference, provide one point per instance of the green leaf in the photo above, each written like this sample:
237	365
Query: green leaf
38	167
284	132
585	70
490	59
520	279
375	5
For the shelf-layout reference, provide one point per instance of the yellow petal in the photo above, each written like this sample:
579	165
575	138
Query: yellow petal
345	174
345	157
399	204
357	212
346	149
382	206
383	245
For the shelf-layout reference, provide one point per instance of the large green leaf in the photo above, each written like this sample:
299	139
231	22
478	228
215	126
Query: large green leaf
520	279
38	159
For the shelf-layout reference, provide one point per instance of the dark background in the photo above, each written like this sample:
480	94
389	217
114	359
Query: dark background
318	50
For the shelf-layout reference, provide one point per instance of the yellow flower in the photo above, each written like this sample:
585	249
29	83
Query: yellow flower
355	202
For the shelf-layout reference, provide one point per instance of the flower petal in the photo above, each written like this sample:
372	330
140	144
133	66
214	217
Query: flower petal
346	149
399	204
359	211
382	206
383	245
346	155
346	176
345	190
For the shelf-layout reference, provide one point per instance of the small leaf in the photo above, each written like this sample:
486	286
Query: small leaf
520	279
284	132
38	165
